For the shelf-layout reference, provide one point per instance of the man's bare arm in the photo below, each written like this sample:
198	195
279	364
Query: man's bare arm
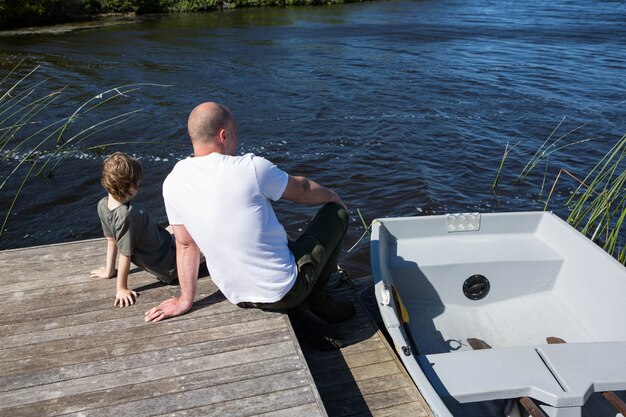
188	262
302	190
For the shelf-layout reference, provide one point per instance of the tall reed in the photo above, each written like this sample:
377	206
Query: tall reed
39	141
597	206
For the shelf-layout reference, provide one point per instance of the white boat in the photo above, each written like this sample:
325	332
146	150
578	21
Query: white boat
490	312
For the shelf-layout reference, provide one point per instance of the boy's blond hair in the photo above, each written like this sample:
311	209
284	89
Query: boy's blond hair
121	173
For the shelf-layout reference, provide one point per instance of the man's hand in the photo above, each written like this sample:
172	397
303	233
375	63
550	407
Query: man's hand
125	298
170	308
187	262
101	273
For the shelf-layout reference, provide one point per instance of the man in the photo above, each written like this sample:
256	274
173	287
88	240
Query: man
219	203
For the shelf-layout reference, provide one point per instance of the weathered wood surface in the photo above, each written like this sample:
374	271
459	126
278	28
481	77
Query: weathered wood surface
65	350
365	377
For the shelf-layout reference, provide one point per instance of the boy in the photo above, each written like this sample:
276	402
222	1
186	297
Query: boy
130	231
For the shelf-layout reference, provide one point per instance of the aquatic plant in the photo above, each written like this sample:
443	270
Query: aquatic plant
366	232
597	206
507	150
32	135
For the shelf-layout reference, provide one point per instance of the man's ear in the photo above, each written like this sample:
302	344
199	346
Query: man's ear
221	135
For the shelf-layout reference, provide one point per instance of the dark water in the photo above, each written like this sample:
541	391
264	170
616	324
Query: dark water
404	108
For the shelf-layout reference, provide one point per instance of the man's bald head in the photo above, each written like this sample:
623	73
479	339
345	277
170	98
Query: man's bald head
206	120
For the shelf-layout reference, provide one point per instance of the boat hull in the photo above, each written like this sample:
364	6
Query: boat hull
510	280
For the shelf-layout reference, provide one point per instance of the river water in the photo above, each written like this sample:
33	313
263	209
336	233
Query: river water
403	107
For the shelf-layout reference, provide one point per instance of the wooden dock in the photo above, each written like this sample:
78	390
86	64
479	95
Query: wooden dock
364	378
65	350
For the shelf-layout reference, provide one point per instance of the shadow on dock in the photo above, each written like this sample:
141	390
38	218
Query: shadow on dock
364	377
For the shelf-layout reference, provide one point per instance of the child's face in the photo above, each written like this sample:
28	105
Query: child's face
133	192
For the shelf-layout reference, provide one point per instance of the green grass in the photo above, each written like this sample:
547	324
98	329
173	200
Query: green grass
34	142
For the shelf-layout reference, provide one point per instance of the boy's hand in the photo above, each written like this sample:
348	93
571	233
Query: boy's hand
101	273
169	308
125	298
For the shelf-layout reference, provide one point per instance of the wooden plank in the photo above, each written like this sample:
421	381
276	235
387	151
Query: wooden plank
303	410
554	340
77	285
365	387
65	350
189	399
478	344
531	407
96	367
284	403
38	256
110	339
30	362
401	410
35	264
330	379
114	327
361	340
73	283
615	401
218	305
354	405
369	344
360	334
166	386
102	299
140	369
69	309
207	296
337	362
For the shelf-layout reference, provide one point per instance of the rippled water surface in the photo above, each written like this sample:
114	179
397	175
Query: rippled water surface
404	108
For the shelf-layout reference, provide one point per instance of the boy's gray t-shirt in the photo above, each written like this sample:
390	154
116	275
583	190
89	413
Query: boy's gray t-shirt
149	246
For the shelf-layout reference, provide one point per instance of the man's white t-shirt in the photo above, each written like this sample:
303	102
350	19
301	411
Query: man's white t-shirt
223	201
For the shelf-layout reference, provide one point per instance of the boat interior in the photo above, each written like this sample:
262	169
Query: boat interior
508	305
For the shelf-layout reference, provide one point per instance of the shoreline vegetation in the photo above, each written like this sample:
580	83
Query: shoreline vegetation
33	144
37	14
596	203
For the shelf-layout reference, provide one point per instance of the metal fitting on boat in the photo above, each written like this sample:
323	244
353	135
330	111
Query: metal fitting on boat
476	287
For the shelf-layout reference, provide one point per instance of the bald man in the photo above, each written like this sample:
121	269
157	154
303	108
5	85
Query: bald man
220	204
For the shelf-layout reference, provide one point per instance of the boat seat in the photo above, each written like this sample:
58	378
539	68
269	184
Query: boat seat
561	375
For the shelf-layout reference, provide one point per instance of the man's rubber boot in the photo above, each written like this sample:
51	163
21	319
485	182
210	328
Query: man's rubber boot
332	311
314	331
